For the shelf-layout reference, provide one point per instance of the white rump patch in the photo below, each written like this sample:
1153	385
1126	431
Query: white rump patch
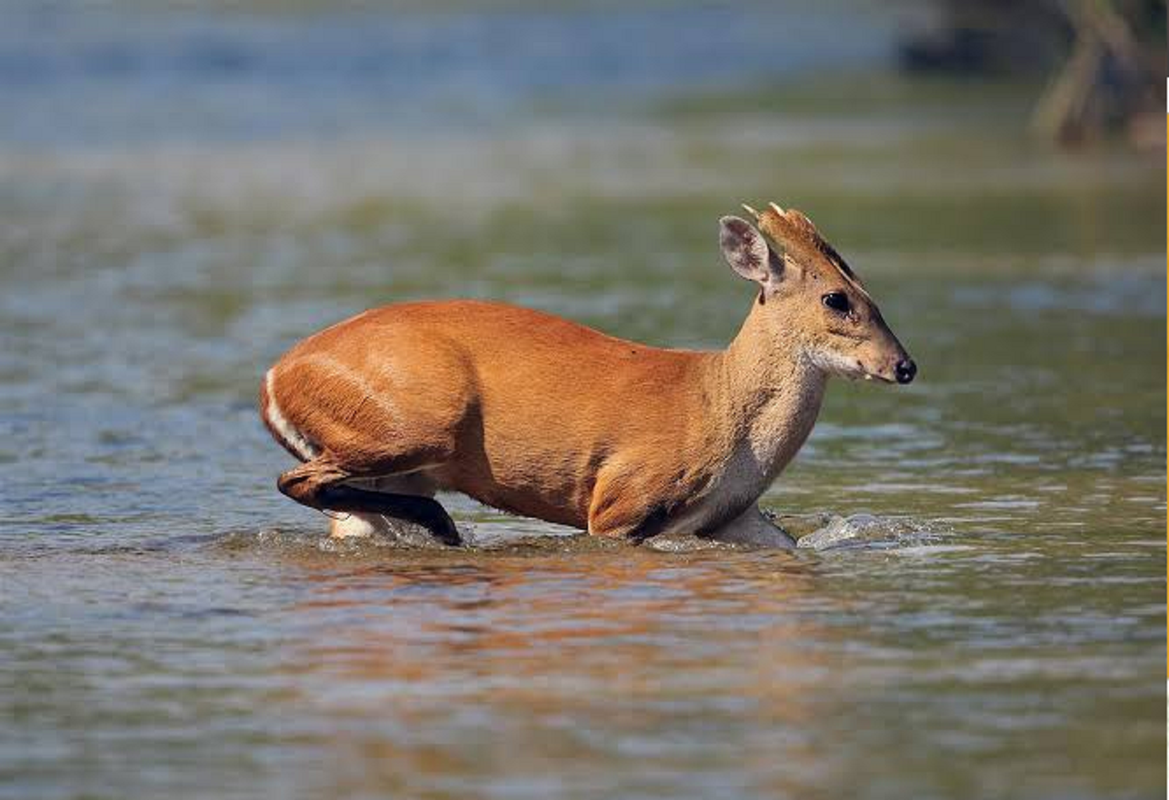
291	436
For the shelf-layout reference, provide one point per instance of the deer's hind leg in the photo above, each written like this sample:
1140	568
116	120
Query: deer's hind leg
326	484
354	432
363	524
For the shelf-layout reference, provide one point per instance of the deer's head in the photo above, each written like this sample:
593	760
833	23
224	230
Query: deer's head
811	299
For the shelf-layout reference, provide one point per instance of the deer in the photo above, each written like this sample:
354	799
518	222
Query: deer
540	416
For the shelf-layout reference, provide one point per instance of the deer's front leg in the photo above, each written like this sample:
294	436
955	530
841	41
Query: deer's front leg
633	503
752	528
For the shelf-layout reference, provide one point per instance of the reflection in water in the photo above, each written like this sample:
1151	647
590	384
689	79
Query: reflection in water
518	661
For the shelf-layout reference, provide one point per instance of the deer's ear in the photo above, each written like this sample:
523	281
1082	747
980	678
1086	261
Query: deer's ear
747	252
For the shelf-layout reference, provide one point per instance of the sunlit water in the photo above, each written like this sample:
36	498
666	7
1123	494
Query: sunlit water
171	626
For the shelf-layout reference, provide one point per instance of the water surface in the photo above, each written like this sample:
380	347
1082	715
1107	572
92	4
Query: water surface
169	624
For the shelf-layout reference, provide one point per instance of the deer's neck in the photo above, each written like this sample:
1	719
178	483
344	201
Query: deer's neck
768	395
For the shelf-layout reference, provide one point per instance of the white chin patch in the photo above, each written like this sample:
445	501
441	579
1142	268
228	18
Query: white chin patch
841	366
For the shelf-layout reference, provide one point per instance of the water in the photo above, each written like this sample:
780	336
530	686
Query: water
169	624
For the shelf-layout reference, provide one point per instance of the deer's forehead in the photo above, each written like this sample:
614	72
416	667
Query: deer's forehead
795	235
824	265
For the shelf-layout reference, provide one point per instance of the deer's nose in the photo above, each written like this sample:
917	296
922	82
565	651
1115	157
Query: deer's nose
905	370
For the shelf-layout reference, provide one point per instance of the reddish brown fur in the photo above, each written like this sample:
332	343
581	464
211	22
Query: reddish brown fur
410	386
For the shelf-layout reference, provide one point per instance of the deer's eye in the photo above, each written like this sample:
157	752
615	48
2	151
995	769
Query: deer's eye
837	301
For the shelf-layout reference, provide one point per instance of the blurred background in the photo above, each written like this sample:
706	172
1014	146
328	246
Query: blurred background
187	189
